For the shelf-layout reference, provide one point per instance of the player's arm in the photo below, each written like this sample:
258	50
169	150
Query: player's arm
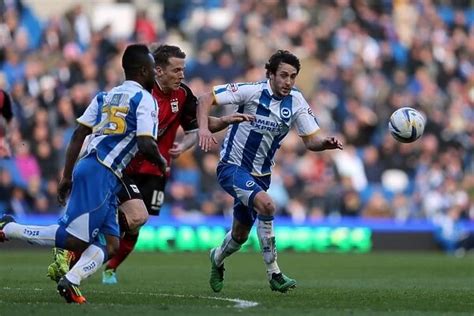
147	131
217	124
308	129
86	123
72	153
314	142
188	141
188	121
204	106
232	93
74	148
147	146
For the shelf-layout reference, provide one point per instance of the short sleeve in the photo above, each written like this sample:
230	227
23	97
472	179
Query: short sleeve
147	116
188	118
233	93
305	122
92	115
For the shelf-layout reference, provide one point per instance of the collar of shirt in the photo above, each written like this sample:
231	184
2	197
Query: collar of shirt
132	83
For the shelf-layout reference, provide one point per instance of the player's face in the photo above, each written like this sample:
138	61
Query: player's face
149	74
283	80
170	76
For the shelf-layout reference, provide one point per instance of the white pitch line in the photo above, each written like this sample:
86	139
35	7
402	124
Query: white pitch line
239	303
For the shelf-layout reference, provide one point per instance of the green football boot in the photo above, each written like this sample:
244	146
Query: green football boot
216	281
281	283
61	262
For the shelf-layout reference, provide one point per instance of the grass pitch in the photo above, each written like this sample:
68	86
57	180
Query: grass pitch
177	284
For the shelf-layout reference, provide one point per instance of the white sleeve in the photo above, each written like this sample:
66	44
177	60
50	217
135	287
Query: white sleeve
91	115
147	116
305	121
233	93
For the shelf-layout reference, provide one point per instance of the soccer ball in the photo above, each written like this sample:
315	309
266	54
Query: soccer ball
406	125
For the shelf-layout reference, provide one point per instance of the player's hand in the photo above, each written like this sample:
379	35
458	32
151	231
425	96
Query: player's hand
176	150
206	139
237	118
332	143
64	188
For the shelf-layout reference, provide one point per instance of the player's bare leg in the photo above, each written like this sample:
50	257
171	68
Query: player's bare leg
132	215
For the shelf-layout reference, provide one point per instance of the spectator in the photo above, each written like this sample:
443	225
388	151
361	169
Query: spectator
451	235
26	163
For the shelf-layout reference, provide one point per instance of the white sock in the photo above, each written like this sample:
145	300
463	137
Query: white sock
91	260
228	247
38	235
266	237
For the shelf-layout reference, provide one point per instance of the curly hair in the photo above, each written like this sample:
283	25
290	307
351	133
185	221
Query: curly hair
282	56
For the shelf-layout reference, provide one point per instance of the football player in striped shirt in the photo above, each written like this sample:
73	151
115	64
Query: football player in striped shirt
246	158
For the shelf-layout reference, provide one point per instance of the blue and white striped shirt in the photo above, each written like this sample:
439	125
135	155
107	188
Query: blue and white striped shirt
116	118
252	145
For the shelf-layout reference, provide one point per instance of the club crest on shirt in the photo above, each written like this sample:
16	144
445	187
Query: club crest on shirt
249	184
174	105
285	113
232	87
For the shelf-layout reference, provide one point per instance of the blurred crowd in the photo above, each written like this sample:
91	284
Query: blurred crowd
361	60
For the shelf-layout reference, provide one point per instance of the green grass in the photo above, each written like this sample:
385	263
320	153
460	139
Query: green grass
177	284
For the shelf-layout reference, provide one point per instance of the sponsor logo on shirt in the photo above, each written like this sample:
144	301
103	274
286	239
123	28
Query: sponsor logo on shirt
267	125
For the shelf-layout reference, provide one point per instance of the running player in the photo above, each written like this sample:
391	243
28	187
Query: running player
247	157
122	122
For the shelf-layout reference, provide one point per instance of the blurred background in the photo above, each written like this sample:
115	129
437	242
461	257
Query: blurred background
361	60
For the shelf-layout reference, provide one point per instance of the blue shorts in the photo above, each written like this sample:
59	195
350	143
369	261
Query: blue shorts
92	206
243	186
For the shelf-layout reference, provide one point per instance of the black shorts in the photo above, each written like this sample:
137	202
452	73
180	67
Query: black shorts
149	188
